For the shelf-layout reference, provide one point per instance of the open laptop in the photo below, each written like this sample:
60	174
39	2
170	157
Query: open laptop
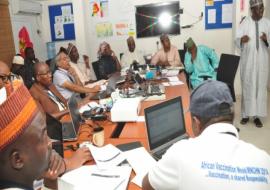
112	82
70	129
165	125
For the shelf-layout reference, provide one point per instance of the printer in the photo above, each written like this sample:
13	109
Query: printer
126	109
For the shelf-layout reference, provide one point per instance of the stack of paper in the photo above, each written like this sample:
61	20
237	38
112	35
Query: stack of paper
141	161
90	177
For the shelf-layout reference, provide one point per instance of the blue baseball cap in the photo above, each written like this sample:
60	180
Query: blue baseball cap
211	99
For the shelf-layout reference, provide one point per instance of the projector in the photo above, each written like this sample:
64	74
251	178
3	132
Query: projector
126	109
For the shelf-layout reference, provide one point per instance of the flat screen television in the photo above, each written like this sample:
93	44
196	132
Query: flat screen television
149	19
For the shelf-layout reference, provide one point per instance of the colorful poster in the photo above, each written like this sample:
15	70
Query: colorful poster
124	28
209	2
104	29
121	28
99	8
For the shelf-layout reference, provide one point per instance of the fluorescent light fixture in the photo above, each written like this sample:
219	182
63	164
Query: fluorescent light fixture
165	19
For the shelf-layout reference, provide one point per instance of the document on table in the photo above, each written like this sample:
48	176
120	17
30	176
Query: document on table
141	162
173	79
107	156
90	177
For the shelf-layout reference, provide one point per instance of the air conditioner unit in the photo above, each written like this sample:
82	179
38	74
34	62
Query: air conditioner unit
29	7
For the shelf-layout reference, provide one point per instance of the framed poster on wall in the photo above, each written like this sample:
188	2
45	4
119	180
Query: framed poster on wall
61	22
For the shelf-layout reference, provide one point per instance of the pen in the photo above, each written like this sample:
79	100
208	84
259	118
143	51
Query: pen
103	175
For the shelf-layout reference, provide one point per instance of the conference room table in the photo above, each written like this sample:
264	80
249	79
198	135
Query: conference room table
134	131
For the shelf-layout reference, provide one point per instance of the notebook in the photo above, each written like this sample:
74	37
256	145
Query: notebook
165	125
70	129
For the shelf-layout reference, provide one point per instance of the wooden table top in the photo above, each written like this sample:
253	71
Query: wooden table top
134	131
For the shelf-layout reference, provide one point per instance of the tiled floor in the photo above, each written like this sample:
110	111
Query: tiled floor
249	133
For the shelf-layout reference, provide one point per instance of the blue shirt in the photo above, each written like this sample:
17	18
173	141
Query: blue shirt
205	64
59	78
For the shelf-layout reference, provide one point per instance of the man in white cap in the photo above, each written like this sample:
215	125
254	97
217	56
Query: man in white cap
215	158
17	65
253	38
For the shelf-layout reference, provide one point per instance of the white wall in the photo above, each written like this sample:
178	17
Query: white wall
221	41
33	24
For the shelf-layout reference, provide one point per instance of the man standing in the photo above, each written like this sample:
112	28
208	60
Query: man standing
132	55
201	62
168	55
215	158
252	38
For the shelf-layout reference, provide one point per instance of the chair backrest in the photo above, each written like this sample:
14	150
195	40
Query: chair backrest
227	69
182	54
96	69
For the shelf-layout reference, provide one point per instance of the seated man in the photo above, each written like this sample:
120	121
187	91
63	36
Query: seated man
17	65
23	132
45	92
83	69
28	70
107	63
25	147
201	63
66	79
216	158
168	55
132	55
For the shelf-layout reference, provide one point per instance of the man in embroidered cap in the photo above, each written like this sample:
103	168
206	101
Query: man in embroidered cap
216	158
84	70
24	147
201	62
253	40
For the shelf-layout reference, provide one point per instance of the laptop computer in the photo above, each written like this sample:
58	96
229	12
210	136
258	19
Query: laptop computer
165	125
112	82
70	129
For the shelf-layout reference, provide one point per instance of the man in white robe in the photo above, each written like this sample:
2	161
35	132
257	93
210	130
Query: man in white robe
252	38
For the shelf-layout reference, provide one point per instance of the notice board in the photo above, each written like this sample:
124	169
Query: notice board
62	22
218	14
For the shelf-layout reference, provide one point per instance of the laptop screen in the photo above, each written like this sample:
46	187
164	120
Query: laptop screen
165	122
74	112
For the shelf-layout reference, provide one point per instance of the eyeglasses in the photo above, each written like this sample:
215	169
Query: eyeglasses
6	78
47	73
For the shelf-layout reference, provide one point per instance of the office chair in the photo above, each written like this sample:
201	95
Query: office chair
227	68
121	54
96	69
182	53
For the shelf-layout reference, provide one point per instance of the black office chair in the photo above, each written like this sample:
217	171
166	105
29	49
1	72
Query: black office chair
227	69
96	69
182	53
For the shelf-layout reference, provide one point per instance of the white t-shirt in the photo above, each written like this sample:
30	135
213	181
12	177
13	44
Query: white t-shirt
216	160
128	58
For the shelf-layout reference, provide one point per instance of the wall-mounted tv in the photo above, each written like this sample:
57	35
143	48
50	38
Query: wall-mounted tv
155	19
